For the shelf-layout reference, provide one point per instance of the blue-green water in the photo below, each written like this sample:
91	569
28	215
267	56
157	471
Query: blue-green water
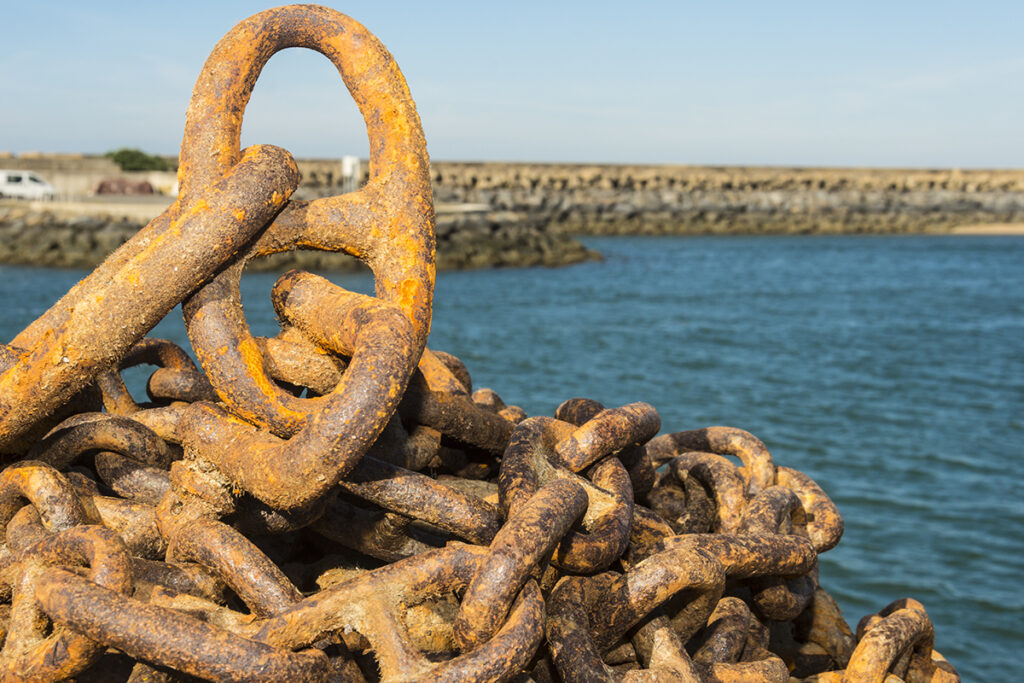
890	369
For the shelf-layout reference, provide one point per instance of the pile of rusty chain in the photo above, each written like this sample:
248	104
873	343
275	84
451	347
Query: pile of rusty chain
336	502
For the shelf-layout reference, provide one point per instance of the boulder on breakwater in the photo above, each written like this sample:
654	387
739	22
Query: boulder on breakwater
82	235
623	199
523	214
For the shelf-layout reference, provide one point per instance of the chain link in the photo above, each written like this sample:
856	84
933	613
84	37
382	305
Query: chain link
336	502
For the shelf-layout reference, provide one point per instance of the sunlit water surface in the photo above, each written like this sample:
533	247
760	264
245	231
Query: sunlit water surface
890	369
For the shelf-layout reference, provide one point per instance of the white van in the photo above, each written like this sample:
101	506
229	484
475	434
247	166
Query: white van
25	185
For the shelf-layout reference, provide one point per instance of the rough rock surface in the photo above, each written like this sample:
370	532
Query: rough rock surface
615	200
53	237
520	214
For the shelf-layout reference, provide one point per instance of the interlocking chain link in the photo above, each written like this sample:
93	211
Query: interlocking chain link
337	502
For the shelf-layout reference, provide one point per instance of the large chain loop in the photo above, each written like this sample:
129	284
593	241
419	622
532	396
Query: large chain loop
336	501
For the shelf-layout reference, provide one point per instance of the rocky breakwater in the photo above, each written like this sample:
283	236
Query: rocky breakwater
609	200
82	234
51	234
484	238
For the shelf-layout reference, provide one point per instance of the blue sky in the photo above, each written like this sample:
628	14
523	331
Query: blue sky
920	84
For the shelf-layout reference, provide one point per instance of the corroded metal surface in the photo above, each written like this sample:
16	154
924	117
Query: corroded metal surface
337	502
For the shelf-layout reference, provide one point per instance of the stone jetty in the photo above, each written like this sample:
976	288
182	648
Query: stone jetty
521	214
629	200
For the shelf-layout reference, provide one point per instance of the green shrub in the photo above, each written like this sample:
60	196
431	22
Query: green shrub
137	160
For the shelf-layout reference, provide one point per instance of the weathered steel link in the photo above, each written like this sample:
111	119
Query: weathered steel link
728	652
413	449
336	502
163	421
897	642
601	432
92	327
376	533
369	603
134	522
725	635
130	479
101	432
822	624
291	359
773	511
388	223
526	540
758	468
685	506
455	415
607	432
421	497
168	637
294	472
722	479
45	488
29	653
175	379
237	562
741	557
529	463
179	577
661	651
587	616
822	521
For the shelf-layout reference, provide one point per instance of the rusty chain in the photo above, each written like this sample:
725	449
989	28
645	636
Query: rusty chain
337	502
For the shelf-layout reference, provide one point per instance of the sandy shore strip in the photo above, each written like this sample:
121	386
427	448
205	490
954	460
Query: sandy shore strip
989	229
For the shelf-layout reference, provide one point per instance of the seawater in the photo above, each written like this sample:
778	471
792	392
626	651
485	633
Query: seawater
889	369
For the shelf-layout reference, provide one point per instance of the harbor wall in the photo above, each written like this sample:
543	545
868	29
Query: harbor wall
604	199
663	199
515	214
82	234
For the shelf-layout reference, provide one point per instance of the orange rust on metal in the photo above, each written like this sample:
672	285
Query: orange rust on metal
294	472
389	223
587	616
421	497
29	652
87	432
722	479
176	377
336	502
728	653
758	469
454	414
777	510
91	328
823	523
899	640
45	488
168	637
527	539
684	505
528	464
606	432
369	604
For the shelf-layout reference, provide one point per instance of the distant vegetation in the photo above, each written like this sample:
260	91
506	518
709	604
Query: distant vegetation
137	160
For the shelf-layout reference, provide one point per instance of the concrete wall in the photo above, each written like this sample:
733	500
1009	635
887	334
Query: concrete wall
76	175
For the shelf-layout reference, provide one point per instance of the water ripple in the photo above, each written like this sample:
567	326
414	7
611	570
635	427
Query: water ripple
890	369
